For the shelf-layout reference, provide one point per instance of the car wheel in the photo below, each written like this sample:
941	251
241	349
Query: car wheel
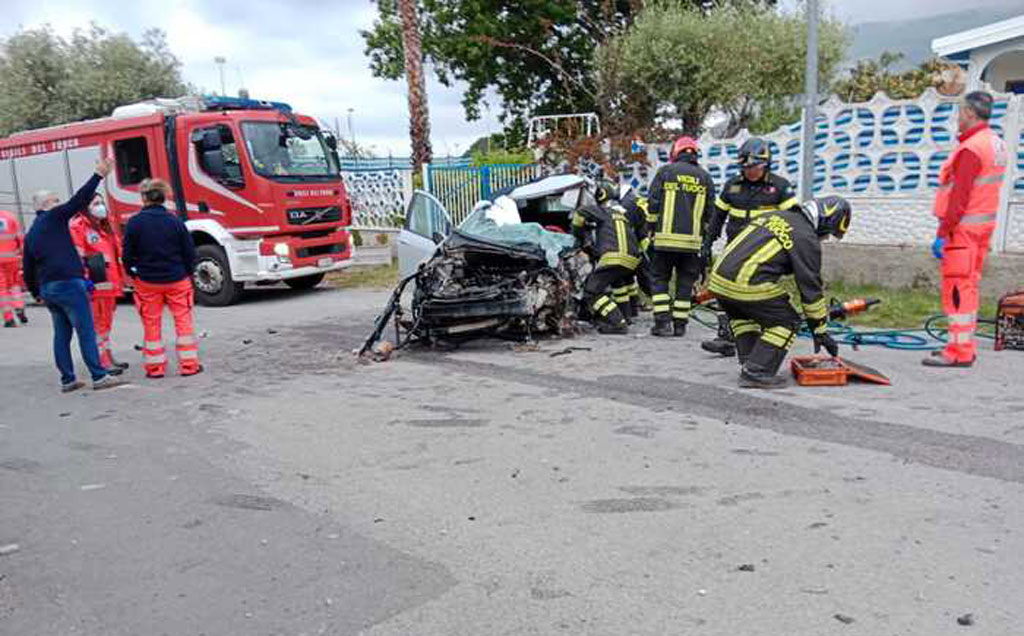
212	278
305	282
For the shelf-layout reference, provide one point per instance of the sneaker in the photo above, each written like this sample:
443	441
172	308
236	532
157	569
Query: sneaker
107	382
121	365
114	370
720	346
21	316
750	380
71	387
9	323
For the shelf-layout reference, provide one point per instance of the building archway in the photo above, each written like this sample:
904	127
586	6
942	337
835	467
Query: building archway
1003	70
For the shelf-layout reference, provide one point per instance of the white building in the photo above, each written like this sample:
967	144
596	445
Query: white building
992	54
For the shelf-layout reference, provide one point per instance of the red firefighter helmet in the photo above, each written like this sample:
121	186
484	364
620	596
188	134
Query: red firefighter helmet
683	144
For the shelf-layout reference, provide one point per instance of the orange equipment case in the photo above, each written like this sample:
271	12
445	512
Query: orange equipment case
828	371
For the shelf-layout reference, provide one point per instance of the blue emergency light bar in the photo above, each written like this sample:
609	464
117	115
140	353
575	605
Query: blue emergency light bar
218	102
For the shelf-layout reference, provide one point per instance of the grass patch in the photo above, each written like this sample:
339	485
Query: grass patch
365	277
900	309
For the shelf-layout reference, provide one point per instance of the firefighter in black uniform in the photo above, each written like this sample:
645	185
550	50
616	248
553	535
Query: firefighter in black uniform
614	248
745	280
637	213
681	192
752	193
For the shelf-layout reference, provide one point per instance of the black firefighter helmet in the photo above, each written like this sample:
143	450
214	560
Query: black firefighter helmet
830	214
605	191
755	152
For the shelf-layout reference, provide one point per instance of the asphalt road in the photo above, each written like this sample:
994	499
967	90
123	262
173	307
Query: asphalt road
623	488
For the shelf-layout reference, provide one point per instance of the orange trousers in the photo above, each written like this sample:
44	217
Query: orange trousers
10	289
150	299
962	263
103	310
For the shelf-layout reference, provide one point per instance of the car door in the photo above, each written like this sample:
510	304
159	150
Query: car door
427	224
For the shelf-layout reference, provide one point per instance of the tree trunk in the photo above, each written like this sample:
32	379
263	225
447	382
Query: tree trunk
419	117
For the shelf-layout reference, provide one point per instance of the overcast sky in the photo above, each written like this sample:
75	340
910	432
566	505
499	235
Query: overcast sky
309	53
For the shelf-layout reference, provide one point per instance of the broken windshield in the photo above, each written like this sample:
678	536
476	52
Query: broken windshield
491	222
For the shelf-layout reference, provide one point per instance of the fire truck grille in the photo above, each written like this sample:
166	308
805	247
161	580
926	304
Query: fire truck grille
310	216
319	250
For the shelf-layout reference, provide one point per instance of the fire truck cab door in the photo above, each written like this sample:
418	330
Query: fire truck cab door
427	224
135	160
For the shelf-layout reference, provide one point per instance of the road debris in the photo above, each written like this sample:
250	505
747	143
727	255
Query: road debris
88	487
10	548
843	618
966	620
746	567
567	351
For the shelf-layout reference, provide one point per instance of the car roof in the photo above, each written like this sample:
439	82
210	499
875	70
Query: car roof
544	187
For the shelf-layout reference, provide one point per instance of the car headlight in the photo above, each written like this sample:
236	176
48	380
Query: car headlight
281	249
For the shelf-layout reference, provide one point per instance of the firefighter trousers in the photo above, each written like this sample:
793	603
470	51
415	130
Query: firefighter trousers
601	303
962	264
764	331
686	267
11	298
150	299
103	310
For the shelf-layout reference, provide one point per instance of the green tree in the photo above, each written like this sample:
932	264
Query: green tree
872	76
535	55
47	80
677	63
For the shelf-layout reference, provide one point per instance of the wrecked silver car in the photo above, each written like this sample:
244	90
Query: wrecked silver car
511	270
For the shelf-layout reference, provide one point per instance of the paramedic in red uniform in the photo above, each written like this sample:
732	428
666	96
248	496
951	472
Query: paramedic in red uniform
159	255
966	205
11	293
97	244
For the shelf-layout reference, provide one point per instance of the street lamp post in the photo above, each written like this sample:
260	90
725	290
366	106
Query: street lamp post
810	124
220	61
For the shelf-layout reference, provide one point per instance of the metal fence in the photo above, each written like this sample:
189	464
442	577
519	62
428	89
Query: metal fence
459	188
883	155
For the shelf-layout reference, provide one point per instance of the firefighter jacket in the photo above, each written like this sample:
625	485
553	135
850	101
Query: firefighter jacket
742	200
94	241
613	242
768	248
637	213
681	194
10	238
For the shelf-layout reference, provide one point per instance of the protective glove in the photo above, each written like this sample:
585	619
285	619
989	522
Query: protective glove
938	247
826	341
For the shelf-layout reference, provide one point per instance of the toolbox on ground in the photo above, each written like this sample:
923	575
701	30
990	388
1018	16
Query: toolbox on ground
828	371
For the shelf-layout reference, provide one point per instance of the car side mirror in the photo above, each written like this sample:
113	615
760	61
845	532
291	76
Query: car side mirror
331	141
213	163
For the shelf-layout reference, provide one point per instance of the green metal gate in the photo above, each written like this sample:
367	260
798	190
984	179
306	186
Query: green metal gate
459	188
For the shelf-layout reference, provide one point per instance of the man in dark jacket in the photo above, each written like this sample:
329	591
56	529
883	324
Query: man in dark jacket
681	193
54	272
745	280
159	255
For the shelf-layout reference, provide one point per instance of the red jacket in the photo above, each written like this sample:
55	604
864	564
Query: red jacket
91	238
10	238
970	180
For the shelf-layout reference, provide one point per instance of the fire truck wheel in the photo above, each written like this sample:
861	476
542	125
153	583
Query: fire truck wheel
305	282
212	278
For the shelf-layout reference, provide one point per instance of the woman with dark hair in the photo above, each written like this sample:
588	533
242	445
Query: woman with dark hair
94	238
159	255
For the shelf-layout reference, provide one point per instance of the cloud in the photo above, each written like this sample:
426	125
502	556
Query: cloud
304	52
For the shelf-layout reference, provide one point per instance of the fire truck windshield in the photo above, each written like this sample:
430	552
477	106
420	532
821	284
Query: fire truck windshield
286	151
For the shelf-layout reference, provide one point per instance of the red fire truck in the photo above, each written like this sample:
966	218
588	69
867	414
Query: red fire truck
257	185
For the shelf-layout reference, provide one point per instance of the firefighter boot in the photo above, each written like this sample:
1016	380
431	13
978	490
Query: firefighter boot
679	327
21	316
614	323
662	325
723	345
633	308
755	379
761	369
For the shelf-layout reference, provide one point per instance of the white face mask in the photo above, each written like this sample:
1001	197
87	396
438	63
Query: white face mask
99	211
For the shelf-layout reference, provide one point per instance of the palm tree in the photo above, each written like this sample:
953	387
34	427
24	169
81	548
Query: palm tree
419	117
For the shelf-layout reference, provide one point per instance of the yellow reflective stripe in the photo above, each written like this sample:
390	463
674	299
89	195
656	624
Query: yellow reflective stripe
677	241
620	232
601	302
698	212
616	258
578	220
817	310
682	304
767	251
104	286
788	203
778	336
609	309
668	210
719	285
736	241
960	319
661	298
740	327
720	202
